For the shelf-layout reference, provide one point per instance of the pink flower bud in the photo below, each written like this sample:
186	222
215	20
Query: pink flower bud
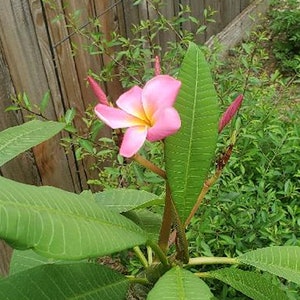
157	68
230	112
98	91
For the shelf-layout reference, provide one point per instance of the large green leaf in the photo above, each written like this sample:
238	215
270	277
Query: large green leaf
18	139
180	284
283	261
22	260
60	224
253	285
66	281
189	152
123	200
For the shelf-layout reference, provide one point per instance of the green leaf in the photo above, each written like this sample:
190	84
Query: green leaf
283	261
123	200
150	222
66	281
253	285
12	108
18	139
44	102
26	101
189	152
26	259
69	116
180	284
59	224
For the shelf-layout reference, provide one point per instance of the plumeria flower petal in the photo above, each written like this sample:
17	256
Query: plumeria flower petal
133	140
131	102
115	117
159	92
97	91
166	122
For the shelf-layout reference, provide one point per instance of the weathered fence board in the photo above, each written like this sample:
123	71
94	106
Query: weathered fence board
23	57
240	26
38	54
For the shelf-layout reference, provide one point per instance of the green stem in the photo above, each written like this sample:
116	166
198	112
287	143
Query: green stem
140	280
165	229
160	254
141	256
150	255
203	274
149	165
212	260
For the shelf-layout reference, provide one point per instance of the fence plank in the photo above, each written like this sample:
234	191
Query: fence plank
5	256
20	46
243	23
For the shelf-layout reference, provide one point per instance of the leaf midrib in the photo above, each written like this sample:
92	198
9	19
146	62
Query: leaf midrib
191	134
17	137
111	285
73	215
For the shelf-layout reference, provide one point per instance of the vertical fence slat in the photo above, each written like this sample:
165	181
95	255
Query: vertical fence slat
110	22
23	57
67	74
5	255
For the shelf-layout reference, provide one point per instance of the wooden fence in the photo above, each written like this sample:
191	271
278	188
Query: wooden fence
36	56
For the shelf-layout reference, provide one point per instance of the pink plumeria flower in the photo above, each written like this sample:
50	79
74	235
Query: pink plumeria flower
147	112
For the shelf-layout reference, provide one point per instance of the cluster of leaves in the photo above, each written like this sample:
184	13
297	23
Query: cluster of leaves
284	22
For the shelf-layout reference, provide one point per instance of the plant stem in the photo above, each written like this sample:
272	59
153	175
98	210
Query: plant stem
141	256
165	229
222	161
203	274
140	280
160	254
149	165
212	261
207	184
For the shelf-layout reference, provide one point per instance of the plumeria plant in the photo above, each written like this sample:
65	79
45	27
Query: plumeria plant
58	235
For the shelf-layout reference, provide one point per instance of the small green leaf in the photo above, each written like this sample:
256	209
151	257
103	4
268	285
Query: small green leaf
86	145
44	102
180	284
62	225
18	139
69	116
12	108
189	153
253	285
283	261
65	281
123	200
26	101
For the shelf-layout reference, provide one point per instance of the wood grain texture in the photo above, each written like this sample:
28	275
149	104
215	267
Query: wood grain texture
5	256
23	56
237	30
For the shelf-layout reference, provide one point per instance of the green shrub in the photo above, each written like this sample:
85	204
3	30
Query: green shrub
285	26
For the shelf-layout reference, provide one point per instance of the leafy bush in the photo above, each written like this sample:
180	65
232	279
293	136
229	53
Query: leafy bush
284	23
